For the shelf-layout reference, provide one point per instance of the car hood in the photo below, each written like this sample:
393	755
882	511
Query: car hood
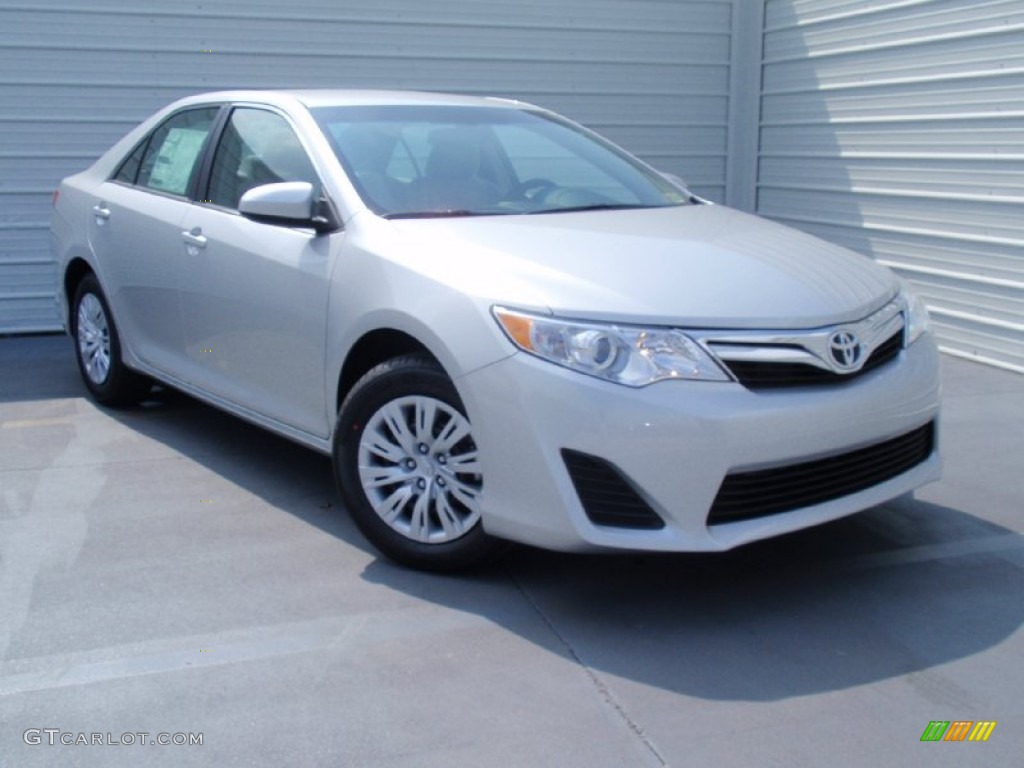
701	266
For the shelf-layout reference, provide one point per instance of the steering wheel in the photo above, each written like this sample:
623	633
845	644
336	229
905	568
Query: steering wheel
536	188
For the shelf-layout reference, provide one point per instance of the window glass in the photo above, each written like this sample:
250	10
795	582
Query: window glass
171	159
421	160
257	147
533	155
130	167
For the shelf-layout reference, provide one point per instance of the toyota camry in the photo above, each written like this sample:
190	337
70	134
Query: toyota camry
499	324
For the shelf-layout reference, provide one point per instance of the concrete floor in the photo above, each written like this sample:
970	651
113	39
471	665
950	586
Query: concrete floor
168	569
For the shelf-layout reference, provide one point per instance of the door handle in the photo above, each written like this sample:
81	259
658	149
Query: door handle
194	238
100	211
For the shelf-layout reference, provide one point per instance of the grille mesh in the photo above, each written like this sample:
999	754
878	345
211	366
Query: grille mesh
766	375
606	496
745	495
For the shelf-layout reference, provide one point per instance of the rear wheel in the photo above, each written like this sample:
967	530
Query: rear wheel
98	348
407	466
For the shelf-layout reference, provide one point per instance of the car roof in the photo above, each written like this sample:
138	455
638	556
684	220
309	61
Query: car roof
335	97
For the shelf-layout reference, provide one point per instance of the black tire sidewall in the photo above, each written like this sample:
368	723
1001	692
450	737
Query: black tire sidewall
121	385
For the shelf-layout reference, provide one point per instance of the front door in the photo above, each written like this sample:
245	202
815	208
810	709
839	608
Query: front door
254	295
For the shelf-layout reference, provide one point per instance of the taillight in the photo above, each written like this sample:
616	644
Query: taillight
56	196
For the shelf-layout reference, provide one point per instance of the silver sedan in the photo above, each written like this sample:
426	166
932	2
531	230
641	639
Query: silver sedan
499	324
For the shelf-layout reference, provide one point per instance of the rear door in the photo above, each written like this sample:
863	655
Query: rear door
135	232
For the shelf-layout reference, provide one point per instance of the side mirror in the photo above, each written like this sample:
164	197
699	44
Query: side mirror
289	201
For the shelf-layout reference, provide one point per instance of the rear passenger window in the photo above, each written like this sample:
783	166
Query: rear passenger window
172	156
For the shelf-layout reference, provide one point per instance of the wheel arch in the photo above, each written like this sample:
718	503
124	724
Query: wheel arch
371	349
74	273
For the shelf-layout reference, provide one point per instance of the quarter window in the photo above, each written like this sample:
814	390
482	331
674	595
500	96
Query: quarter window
257	147
130	167
172	156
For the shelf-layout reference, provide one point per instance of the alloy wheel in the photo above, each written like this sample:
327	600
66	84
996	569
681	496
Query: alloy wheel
419	470
94	338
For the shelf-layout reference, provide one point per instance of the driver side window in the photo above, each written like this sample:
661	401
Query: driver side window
257	147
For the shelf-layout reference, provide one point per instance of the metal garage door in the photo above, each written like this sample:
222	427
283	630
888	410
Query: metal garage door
651	74
897	128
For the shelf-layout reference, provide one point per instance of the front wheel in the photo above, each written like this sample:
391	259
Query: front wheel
407	466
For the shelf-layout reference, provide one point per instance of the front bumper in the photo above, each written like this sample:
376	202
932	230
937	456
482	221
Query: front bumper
675	442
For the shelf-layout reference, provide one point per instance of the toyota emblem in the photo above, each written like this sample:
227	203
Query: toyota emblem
845	350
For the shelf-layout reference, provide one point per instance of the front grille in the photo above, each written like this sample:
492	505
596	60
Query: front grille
745	495
755	374
606	496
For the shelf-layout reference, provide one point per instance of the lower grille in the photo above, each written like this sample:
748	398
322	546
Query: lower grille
745	495
606	496
765	375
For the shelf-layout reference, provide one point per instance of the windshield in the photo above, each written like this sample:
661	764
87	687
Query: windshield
422	161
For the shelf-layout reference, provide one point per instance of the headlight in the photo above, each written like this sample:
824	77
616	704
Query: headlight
915	315
624	354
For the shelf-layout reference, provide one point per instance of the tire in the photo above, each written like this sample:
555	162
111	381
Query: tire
98	348
406	467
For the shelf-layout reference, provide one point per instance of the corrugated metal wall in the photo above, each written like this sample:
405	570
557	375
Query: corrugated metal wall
74	76
896	127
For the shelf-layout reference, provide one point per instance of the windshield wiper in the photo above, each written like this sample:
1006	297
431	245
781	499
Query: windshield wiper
443	213
455	213
596	207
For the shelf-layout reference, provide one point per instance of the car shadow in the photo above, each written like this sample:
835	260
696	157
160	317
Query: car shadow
38	367
888	593
286	475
